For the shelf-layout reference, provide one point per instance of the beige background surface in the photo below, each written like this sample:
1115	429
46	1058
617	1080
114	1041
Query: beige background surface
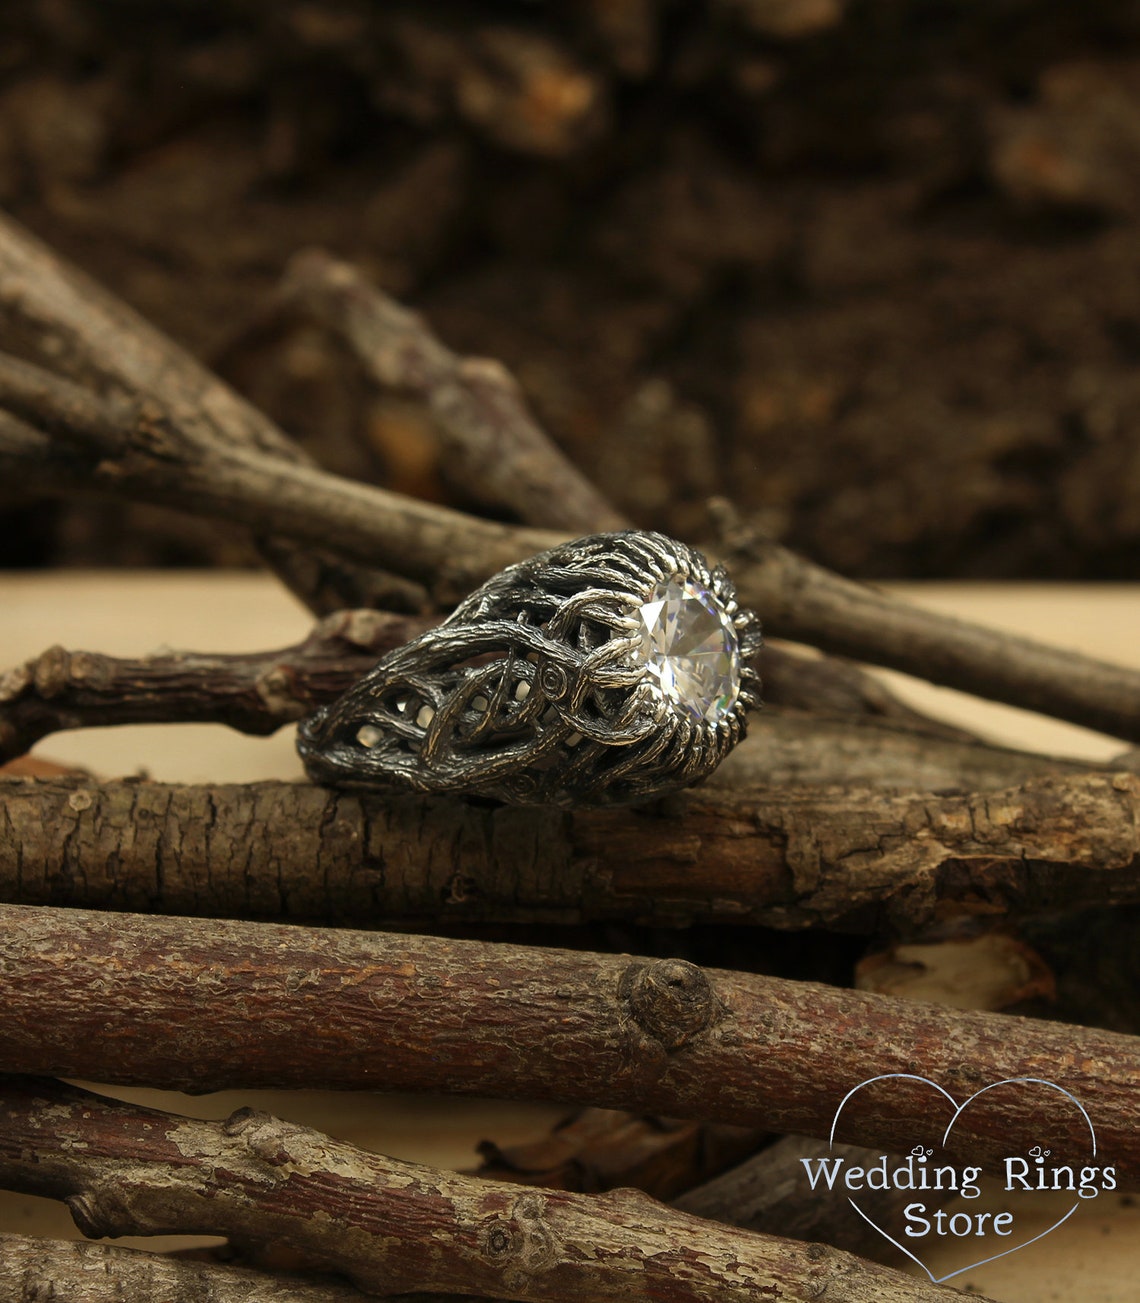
1094	1257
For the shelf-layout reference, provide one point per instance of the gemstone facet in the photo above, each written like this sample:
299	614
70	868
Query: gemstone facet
689	648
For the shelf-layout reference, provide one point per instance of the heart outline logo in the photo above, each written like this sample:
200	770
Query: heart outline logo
958	1109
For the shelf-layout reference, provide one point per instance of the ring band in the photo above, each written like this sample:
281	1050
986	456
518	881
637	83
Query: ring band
608	670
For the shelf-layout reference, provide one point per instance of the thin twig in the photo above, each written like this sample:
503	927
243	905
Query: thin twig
390	1226
254	693
495	450
259	692
801	600
275	1005
727	853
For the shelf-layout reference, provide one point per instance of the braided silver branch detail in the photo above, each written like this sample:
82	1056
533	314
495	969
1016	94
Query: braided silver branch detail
537	689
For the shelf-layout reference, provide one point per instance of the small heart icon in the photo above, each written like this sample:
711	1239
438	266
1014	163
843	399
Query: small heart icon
1036	1155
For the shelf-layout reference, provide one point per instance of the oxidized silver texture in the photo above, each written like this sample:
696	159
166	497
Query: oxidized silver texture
530	692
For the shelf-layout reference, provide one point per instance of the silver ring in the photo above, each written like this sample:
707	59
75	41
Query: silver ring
609	670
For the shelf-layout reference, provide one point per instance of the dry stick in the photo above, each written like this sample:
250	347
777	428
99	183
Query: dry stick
259	692
255	693
391	1226
33	1270
447	550
454	552
78	328
291	1006
801	600
492	444
728	854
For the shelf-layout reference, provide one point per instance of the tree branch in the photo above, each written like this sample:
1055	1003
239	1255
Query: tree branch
495	450
725	853
255	693
802	601
259	692
292	1006
860	733
53	311
227	460
392	1226
33	1270
445	549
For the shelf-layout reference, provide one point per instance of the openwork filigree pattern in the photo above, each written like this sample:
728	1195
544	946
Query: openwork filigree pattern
539	687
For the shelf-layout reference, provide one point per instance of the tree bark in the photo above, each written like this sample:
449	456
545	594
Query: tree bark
35	1270
121	998
859	860
392	1226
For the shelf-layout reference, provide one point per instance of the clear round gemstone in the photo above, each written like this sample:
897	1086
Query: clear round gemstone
690	648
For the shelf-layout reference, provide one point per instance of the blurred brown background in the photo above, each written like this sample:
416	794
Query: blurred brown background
871	268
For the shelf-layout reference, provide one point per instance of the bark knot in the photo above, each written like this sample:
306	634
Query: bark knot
669	999
521	1242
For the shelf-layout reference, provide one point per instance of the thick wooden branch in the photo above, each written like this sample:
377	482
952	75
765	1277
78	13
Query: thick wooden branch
34	1270
391	1226
494	448
259	1004
859	859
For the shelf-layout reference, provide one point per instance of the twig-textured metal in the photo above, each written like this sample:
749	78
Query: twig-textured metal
537	688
